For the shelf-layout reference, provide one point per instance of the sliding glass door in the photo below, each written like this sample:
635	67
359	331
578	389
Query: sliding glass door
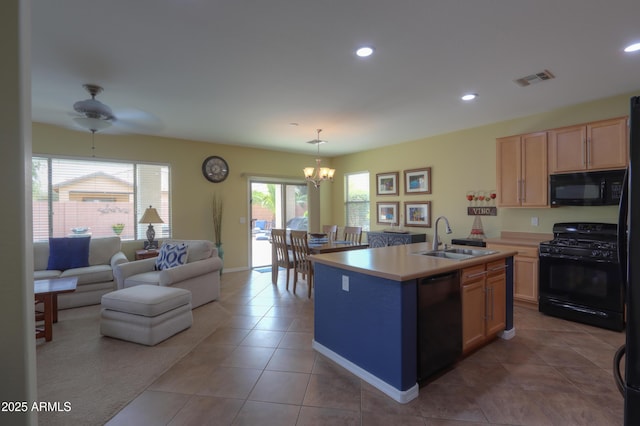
274	205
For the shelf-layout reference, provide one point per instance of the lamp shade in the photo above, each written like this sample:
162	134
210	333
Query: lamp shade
151	216
308	172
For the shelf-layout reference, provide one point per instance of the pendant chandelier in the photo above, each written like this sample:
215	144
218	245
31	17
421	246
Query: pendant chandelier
318	174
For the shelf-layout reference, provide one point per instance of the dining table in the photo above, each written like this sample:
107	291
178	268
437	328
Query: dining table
323	246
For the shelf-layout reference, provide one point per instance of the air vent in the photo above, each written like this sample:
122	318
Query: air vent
534	78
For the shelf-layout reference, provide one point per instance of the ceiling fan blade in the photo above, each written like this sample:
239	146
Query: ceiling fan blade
133	120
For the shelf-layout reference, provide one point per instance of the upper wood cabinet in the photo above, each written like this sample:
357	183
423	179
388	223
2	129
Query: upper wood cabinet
599	145
522	175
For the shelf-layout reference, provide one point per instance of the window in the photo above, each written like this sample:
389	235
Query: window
357	200
97	198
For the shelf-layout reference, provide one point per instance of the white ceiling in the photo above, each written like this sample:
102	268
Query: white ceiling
239	71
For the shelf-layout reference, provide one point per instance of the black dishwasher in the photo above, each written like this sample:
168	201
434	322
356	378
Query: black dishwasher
439	323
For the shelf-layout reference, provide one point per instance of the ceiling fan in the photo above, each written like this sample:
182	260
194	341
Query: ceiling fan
95	116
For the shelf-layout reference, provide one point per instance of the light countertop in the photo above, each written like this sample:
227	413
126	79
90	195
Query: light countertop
520	238
400	263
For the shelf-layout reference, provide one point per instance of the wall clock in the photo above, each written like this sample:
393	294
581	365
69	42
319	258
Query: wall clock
215	169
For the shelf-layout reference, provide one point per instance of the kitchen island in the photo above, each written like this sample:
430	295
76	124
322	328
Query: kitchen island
366	310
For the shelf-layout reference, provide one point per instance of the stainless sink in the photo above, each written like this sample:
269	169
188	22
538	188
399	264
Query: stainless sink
471	252
446	255
456	253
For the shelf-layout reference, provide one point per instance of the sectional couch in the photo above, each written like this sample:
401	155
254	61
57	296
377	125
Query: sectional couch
94	280
200	274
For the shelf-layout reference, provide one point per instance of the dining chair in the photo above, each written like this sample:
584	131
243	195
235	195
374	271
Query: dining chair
302	264
331	231
281	255
353	234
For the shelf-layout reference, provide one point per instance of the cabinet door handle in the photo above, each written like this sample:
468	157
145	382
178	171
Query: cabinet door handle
492	303
588	152
584	153
477	274
498	268
523	192
486	304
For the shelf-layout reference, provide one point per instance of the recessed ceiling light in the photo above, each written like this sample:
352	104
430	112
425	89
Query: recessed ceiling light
364	51
469	96
632	48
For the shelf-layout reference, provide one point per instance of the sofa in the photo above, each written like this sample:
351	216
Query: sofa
200	274
94	279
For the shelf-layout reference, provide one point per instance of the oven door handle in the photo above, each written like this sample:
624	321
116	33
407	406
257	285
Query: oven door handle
560	256
575	258
583	310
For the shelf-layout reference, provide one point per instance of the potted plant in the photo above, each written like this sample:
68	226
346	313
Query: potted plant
217	223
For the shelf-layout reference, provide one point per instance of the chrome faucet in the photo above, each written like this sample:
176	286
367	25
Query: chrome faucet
436	240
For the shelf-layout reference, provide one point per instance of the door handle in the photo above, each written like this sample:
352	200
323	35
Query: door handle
493	301
486	304
477	274
498	268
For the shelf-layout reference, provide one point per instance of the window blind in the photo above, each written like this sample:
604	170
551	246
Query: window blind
75	197
357	200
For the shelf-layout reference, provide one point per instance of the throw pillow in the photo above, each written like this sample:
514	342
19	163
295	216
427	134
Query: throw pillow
68	253
171	255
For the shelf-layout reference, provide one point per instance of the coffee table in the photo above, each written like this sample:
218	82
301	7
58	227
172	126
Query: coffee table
46	291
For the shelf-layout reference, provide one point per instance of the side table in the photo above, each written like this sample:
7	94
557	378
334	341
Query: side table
146	254
46	292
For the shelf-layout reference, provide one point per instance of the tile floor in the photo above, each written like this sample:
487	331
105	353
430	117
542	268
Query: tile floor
258	368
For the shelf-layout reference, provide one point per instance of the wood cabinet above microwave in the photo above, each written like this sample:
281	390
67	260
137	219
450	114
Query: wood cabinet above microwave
600	145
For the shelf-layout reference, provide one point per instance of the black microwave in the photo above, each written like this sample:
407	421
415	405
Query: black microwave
601	188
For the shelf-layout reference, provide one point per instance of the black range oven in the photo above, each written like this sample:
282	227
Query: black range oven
580	277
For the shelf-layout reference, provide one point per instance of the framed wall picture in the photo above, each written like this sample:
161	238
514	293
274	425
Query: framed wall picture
387	183
418	213
387	213
417	181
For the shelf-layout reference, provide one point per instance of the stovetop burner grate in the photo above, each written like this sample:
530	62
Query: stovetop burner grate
588	241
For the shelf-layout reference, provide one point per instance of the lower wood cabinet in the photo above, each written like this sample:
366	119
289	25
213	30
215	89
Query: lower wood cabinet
484	303
525	274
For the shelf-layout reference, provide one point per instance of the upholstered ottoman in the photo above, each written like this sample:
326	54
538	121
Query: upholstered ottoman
146	314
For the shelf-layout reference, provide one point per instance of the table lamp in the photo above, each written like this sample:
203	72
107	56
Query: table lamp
151	216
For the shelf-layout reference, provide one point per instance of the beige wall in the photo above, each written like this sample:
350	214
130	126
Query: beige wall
460	161
466	160
18	354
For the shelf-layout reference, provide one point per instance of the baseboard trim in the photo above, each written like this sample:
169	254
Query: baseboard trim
400	396
240	269
508	334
